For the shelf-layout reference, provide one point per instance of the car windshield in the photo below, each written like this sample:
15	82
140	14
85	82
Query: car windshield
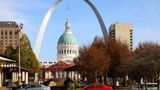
99	86
32	86
150	85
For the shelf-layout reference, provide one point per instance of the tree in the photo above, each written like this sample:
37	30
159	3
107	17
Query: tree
145	62
119	54
28	58
103	58
92	61
11	53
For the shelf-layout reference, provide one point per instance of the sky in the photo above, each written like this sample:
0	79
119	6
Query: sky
143	14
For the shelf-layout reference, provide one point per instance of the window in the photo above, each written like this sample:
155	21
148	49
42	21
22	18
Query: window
10	33
2	33
5	32
64	51
91	86
30	86
99	86
50	62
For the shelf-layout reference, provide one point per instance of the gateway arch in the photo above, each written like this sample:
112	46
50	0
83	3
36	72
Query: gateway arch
47	17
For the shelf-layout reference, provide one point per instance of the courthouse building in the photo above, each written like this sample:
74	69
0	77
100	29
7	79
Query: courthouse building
67	50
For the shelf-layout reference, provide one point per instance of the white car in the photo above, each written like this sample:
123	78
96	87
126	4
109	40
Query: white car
150	86
35	87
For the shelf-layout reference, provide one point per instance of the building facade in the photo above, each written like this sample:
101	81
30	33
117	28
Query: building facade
8	35
67	50
67	47
122	32
9	72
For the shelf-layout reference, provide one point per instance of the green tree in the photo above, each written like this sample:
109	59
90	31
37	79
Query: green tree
28	58
10	52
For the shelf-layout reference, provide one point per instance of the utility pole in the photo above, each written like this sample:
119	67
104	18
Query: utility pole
20	27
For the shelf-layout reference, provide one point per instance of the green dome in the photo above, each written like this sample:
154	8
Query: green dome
67	39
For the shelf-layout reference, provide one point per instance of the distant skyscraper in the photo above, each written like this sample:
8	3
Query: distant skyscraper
67	47
123	32
8	34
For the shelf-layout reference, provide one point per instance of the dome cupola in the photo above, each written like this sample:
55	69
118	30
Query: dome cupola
67	37
67	47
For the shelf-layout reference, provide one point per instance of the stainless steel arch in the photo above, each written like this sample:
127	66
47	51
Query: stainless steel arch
103	27
47	17
43	28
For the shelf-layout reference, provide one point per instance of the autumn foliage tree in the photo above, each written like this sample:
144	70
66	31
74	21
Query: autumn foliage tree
103	58
92	60
145	62
119	54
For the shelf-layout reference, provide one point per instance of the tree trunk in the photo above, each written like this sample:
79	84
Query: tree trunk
139	86
105	81
158	82
145	86
100	79
95	77
113	81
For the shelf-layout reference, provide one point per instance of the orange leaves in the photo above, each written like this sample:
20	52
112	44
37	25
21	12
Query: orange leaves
101	55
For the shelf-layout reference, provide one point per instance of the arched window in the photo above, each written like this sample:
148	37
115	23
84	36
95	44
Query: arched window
67	51
62	51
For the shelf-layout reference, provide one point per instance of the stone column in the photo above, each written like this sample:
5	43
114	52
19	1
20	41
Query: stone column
60	74
13	76
55	74
23	76
0	79
65	74
26	79
49	74
36	77
46	75
17	75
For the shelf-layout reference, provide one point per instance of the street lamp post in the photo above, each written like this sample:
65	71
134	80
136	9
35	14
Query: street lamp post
19	53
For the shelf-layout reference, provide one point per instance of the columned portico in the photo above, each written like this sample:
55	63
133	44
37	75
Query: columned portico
9	74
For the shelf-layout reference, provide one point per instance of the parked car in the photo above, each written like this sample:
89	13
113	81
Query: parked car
150	86
35	87
96	86
18	87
